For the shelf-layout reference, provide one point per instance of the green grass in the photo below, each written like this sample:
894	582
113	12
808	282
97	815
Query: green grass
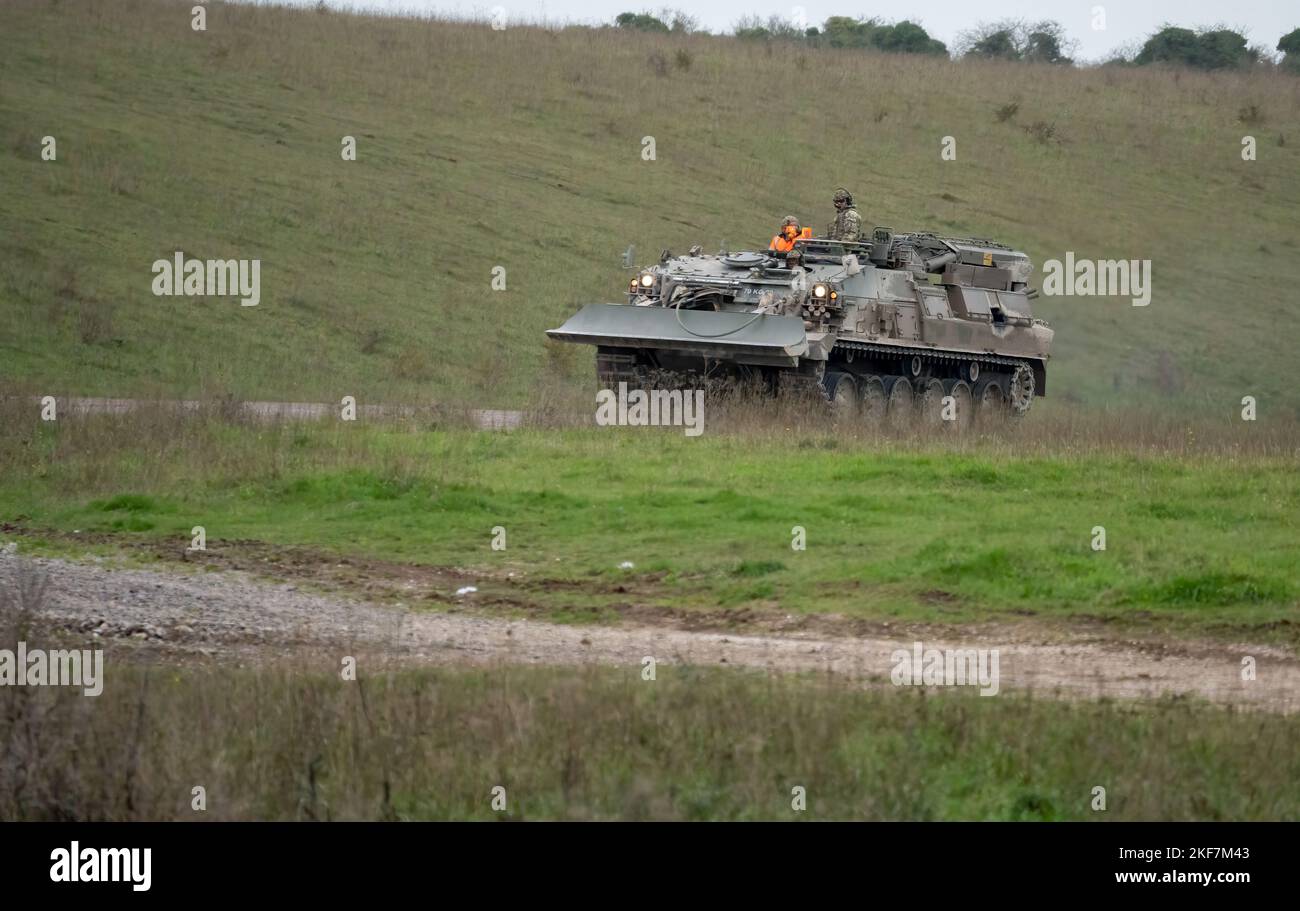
603	743
922	531
521	148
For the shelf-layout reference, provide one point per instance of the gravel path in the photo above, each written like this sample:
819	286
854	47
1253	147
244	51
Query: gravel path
229	612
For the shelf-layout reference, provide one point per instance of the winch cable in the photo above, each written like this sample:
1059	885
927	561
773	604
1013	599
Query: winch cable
677	308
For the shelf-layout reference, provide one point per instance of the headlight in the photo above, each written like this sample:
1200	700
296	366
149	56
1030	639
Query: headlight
820	290
647	279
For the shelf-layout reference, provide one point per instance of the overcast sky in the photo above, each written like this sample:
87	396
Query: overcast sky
1262	21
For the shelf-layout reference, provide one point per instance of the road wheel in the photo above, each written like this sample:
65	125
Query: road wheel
929	401
990	402
875	403
1021	393
962	411
899	411
842	393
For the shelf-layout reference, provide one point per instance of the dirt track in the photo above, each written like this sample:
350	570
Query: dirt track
231	613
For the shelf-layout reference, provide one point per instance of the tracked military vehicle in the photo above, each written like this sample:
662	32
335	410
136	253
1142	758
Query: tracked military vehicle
902	327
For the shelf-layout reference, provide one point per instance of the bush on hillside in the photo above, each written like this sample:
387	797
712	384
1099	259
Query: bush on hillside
1017	40
1289	45
844	32
1208	49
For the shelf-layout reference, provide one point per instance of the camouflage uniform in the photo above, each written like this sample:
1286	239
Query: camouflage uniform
846	226
848	223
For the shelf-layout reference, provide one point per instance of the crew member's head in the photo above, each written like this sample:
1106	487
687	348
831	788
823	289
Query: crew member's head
842	198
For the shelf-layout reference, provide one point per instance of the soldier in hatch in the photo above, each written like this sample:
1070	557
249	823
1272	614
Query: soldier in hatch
786	236
848	223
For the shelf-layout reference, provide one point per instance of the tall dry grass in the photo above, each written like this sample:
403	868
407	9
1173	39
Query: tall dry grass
1052	428
285	738
159	446
162	445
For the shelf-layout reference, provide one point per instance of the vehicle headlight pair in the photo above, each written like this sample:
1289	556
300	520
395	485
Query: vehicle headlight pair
642	283
823	291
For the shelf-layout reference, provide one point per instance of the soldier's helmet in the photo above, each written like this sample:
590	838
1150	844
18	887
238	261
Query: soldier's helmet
790	220
842	195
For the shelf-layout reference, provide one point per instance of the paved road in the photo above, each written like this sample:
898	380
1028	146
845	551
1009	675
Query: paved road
484	419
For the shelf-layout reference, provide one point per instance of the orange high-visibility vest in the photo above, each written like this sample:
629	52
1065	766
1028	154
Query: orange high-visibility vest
781	245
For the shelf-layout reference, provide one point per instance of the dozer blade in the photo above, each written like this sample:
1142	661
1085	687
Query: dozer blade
740	337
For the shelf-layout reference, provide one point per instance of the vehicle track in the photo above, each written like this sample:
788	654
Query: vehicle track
232	614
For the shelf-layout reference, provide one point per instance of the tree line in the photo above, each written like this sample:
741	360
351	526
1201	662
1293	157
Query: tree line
1212	48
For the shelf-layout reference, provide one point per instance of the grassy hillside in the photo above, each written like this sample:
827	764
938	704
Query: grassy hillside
522	149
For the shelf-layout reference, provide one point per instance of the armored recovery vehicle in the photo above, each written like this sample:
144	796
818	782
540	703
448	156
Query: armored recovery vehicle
901	327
